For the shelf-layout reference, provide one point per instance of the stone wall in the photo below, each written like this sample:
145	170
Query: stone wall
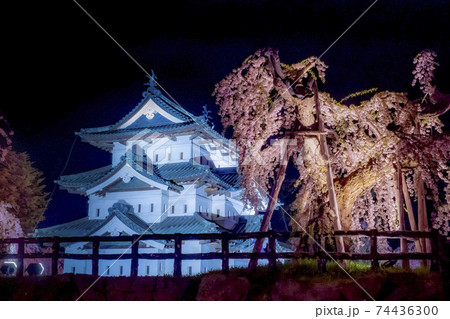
220	287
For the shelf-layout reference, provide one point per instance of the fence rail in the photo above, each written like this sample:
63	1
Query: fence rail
224	255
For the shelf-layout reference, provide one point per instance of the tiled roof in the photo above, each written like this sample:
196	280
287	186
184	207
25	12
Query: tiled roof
162	101
100	133
86	227
231	178
181	171
189	120
166	104
79	228
193	224
131	221
253	223
184	225
86	180
185	171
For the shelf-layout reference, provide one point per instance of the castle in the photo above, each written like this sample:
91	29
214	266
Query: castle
170	172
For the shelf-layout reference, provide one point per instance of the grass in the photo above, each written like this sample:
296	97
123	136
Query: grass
307	269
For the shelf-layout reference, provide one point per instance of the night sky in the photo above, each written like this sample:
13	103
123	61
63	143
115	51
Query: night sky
68	74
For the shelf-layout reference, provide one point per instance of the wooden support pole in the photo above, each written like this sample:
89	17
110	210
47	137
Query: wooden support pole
422	214
321	261
273	198
225	257
401	215
330	180
95	253
55	255
177	257
20	253
410	211
422	219
134	256
374	249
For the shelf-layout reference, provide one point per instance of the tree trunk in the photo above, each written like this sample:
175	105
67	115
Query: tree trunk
273	198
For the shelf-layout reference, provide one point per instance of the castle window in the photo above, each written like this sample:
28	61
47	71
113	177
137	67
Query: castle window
121	270
156	157
200	208
173	209
218	212
185	209
98	212
107	270
190	270
148	270
73	270
151	208
228	214
165	208
139	208
181	155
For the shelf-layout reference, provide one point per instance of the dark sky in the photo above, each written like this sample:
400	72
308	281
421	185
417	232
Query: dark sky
68	74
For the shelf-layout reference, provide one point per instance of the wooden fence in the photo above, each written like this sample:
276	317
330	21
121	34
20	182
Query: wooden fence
270	253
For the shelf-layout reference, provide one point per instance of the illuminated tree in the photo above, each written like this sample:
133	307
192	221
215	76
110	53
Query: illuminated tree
9	224
269	104
5	138
22	189
359	165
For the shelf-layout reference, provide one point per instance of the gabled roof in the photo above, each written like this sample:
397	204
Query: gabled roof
188	171
154	114
128	132
86	227
184	225
155	94
172	175
193	224
152	94
130	220
79	228
229	176
84	179
82	182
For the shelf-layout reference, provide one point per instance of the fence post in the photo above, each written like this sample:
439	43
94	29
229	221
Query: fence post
134	256
434	250
225	258
95	253
374	249
322	261
177	257
55	255
20	253
272	253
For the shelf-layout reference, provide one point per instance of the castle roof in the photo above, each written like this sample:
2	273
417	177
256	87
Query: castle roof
155	113
170	176
194	224
84	183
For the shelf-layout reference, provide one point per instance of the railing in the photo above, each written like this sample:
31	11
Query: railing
225	255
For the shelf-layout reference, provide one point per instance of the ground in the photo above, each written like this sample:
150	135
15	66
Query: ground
298	280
